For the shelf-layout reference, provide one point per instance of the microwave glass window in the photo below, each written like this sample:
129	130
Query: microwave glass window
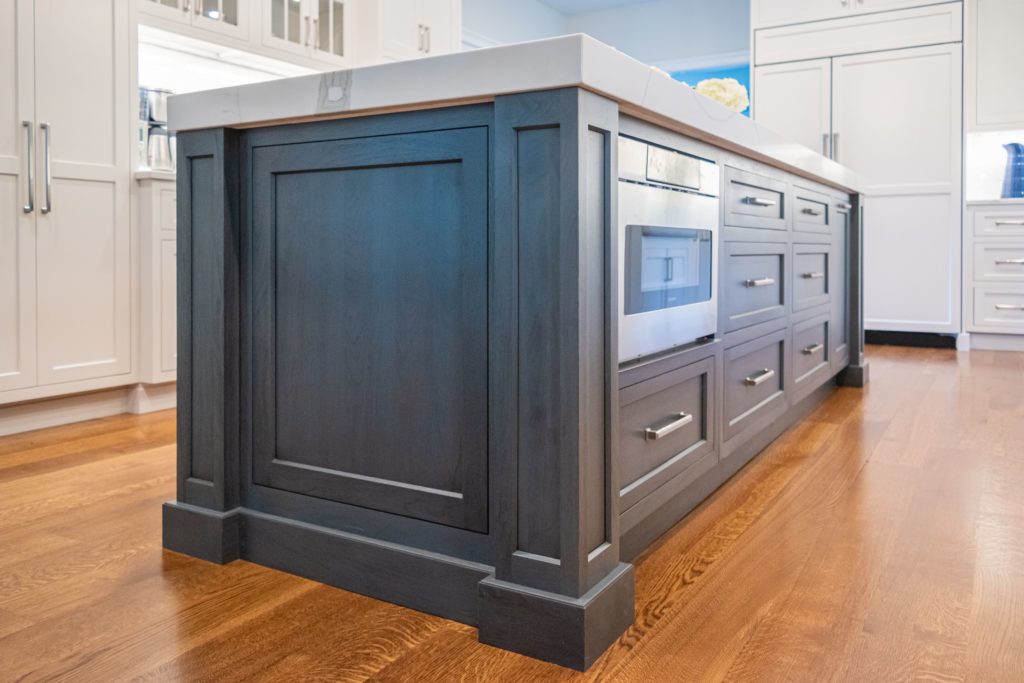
666	267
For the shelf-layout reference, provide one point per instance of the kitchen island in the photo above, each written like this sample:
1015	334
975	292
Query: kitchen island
398	340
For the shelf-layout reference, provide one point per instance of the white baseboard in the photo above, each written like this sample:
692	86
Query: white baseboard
139	398
963	341
997	342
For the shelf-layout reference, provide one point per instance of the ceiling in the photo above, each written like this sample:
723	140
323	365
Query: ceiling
578	6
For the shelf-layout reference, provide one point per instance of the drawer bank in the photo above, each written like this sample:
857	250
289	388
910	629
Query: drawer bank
398	362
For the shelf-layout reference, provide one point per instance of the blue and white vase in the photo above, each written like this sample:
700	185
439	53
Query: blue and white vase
1013	181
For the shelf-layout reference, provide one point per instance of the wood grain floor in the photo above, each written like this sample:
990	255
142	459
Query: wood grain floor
882	539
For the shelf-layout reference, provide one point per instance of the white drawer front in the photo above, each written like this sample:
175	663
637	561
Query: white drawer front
998	262
999	222
999	309
167	199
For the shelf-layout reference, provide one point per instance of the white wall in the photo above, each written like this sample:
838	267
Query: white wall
672	34
496	22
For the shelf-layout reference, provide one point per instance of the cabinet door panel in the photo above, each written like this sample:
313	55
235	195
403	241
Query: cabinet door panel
83	241
909	153
370	323
437	17
400	29
996	52
17	233
332	29
796	101
168	306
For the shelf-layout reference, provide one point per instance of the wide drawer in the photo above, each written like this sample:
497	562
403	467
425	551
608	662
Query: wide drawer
994	262
666	423
754	380
754	201
752	287
811	211
999	222
999	309
810	275
811	352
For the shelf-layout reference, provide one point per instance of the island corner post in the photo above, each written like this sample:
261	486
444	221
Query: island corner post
506	518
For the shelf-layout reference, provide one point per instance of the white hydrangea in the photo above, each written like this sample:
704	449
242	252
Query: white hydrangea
727	91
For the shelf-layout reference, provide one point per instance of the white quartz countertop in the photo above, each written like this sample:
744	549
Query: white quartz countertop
480	75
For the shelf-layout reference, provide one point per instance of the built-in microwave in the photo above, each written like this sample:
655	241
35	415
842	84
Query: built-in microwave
667	245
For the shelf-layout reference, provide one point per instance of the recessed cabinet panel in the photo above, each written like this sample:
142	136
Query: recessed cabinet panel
370	322
812	355
754	201
839	274
795	100
754	380
999	309
810	275
753	287
811	211
995	53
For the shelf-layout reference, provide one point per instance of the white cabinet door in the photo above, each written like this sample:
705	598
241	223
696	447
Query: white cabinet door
440	21
995	54
401	29
227	17
168	306
795	99
331	26
17	213
286	26
897	121
776	12
82	238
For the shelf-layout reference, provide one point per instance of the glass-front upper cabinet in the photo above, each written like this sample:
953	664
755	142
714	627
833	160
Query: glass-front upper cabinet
227	17
319	29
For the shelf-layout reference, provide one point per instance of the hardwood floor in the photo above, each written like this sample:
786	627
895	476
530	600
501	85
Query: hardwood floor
881	539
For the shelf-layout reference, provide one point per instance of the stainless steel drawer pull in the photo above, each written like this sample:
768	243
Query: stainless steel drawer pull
812	349
761	282
759	378
1010	307
30	165
1010	261
679	420
758	201
817	275
47	175
812	212
844	206
1013	222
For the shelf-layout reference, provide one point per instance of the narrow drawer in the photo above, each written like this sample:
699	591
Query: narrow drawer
810	275
811	211
812	354
998	262
999	222
752	287
666	423
999	309
754	201
167	203
754	380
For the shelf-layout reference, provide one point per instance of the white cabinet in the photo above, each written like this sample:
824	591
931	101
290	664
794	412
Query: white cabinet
322	30
995	52
393	30
157	221
779	12
795	99
994	274
225	17
897	120
65	290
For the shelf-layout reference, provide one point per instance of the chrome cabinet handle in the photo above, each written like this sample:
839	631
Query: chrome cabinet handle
811	212
758	201
812	349
1010	307
817	275
670	269
835	146
308	34
316	33
186	7
47	204
427	28
30	165
760	378
1010	261
844	206
1014	222
824	144
679	420
760	282
419	46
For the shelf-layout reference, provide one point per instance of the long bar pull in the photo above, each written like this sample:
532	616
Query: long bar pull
316	33
30	166
680	420
1013	222
811	212
47	176
824	144
760	282
817	275
835	146
419	45
427	30
1010	307
844	206
1010	261
760	378
812	349
758	201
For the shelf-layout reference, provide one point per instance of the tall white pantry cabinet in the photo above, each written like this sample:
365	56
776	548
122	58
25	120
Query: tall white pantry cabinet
65	252
880	90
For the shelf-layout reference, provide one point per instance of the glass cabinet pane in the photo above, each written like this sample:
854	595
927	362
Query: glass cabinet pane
277	18
338	28
211	9
294	21
323	25
229	12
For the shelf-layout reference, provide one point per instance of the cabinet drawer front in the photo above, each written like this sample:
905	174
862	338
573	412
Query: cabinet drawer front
752	289
999	307
666	423
754	201
810	275
754	379
999	262
810	212
811	351
999	222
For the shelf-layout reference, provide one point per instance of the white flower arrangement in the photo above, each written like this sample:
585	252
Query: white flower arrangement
727	91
